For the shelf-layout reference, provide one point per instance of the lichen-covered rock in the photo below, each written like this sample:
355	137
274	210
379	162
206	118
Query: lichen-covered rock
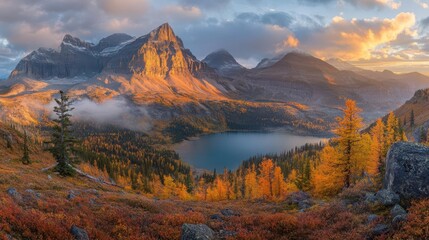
196	232
407	171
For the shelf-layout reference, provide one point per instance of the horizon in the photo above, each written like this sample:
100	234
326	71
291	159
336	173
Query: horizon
373	34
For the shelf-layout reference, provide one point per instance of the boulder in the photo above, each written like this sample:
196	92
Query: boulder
396	222
72	194
14	193
407	171
380	229
371	218
370	198
300	199
397	210
228	212
33	193
79	233
387	198
196	232
216	217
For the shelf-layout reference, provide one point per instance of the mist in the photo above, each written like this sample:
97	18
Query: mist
118	112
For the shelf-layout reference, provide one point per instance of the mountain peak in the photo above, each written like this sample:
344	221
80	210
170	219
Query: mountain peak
223	61
163	33
295	59
70	40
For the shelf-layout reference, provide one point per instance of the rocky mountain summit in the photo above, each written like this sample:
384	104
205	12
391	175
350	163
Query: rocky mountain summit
159	53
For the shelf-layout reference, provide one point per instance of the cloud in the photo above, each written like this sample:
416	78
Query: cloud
248	35
365	4
422	4
206	4
124	8
177	12
357	39
368	4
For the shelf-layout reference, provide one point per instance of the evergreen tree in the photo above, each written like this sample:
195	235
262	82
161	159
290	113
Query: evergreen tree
412	118
26	155
62	140
423	135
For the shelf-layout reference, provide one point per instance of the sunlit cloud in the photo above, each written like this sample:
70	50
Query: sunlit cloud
358	39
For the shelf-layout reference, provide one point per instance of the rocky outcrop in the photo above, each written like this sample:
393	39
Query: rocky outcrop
407	171
197	232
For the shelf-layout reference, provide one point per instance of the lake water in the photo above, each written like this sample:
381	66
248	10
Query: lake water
217	151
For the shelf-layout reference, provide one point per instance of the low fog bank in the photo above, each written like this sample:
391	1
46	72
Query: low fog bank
118	112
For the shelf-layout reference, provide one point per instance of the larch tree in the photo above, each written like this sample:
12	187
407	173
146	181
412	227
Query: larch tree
377	155
61	139
266	168
252	190
279	185
348	140
328	179
391	131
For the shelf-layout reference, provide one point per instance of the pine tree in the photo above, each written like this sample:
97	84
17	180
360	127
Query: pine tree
423	135
26	155
62	140
348	140
412	118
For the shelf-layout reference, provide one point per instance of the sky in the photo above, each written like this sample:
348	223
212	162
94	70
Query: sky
375	34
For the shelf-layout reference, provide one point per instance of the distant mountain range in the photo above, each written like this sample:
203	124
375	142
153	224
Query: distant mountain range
156	71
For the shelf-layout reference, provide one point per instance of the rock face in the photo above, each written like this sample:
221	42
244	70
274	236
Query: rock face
196	232
407	171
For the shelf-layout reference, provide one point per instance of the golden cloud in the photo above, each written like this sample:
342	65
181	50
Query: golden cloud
358	39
